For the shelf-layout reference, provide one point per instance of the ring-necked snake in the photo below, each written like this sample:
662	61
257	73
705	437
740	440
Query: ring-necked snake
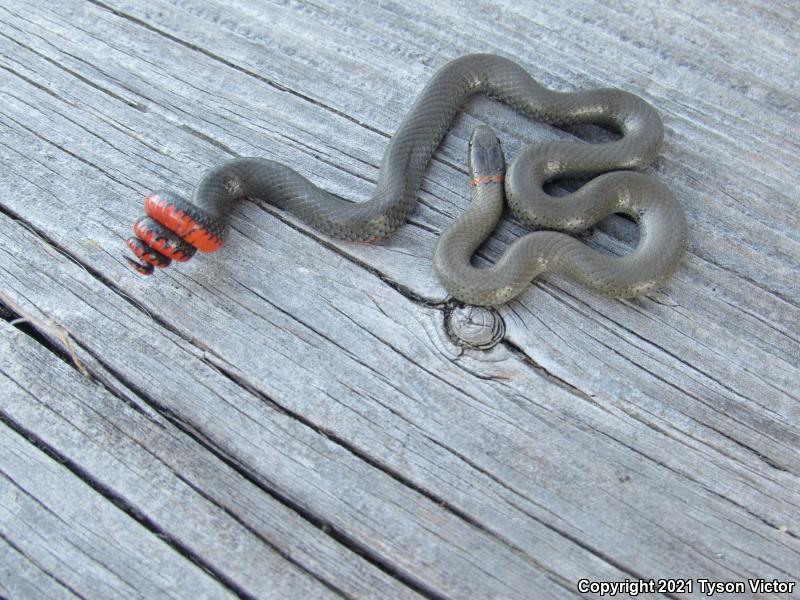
174	228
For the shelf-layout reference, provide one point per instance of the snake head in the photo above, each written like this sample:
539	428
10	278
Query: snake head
485	156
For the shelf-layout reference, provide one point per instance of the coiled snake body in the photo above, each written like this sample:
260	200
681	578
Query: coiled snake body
174	228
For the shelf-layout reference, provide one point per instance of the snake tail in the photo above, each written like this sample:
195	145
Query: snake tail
173	229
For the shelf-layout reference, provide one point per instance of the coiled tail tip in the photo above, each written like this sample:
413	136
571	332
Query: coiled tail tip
140	267
172	230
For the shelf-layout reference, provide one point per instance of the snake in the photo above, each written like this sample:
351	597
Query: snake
174	228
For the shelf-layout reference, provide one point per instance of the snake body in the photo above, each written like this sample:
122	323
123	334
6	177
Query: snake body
175	227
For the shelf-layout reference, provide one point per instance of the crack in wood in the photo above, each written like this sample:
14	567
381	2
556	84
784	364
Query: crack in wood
345	539
121	503
236	67
401	289
41	568
198	436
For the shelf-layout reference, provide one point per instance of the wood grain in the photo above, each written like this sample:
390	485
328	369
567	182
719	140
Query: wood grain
292	410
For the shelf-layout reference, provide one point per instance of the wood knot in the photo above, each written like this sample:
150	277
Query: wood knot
475	327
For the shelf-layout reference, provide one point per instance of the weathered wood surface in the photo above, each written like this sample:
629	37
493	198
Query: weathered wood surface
289	418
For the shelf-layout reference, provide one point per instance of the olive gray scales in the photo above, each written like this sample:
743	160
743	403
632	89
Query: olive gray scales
663	230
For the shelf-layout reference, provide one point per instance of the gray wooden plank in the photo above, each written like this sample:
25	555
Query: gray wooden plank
83	542
358	497
527	457
708	408
267	549
22	577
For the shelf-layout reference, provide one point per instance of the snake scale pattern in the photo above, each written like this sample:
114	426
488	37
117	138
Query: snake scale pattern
175	228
